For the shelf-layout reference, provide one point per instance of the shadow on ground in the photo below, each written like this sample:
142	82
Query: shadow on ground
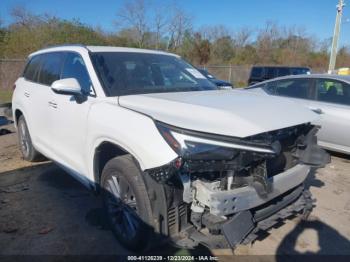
330	241
44	211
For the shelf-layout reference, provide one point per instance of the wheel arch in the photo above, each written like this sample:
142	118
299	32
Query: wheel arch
105	151
18	113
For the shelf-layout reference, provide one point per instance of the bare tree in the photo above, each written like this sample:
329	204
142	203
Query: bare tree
242	37
23	17
325	45
133	14
161	23
213	33
180	22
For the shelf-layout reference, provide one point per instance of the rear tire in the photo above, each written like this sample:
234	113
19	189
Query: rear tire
127	203
28	151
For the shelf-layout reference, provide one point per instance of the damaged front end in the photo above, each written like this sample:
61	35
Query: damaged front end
220	189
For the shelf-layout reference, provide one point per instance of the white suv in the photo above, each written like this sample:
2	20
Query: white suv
173	157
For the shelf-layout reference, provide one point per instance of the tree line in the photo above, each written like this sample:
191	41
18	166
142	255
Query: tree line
141	23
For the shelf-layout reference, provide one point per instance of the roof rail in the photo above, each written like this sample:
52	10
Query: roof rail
63	45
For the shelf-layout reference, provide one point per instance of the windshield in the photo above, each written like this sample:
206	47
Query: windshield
206	73
123	73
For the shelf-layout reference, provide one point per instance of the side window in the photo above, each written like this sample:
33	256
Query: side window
298	88
256	72
50	68
270	72
74	67
283	71
32	68
332	91
300	70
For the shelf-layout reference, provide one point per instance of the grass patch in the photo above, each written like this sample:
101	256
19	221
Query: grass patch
5	96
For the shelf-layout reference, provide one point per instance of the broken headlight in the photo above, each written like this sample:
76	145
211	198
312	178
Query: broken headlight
200	146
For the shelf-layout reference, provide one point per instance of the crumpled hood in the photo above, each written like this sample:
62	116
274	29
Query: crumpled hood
231	112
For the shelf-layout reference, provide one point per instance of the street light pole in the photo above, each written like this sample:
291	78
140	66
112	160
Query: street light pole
336	34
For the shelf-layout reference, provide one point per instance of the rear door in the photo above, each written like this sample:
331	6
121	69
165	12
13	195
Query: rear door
41	71
332	102
27	92
50	70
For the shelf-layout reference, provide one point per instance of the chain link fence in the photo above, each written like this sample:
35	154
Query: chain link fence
235	74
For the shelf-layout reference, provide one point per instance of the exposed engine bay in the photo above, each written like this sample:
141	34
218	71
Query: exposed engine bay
219	184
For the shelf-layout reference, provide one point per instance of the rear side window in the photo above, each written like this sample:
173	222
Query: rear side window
299	71
297	88
32	69
50	68
256	72
271	72
283	71
332	91
74	67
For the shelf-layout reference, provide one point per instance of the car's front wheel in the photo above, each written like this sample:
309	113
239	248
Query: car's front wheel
28	151
127	203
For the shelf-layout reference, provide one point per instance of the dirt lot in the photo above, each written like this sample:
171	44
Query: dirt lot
45	211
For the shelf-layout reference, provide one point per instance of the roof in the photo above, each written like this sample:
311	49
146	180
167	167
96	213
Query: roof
344	78
126	49
94	49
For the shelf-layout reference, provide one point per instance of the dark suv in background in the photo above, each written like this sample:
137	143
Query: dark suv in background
262	73
221	84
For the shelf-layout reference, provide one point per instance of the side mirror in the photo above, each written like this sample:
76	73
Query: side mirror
67	86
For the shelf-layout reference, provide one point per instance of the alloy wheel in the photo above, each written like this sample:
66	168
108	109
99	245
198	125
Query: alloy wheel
24	138
122	207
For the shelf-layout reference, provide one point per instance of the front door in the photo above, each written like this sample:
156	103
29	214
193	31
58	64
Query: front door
69	117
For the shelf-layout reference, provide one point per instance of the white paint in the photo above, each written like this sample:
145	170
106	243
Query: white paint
69	132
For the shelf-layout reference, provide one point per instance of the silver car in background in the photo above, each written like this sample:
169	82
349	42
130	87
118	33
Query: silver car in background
327	95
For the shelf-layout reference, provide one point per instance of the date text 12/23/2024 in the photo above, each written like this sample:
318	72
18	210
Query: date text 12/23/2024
172	258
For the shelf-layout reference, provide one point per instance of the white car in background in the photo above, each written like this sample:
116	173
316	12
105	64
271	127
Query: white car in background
173	156
326	95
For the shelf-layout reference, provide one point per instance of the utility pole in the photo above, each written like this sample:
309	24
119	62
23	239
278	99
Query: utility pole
336	34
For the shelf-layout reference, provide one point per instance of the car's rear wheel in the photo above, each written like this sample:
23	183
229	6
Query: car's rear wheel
126	203
28	151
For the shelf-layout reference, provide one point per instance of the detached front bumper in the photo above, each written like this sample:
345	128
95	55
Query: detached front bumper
222	203
220	196
245	226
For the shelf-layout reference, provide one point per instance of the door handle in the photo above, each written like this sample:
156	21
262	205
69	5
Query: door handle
26	94
317	110
52	104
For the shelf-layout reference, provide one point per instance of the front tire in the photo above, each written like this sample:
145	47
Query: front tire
28	151
127	203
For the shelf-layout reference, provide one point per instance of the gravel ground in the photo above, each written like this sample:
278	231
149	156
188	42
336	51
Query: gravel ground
43	211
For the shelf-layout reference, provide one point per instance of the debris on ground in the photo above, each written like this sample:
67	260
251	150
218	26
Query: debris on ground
4	201
45	230
10	228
